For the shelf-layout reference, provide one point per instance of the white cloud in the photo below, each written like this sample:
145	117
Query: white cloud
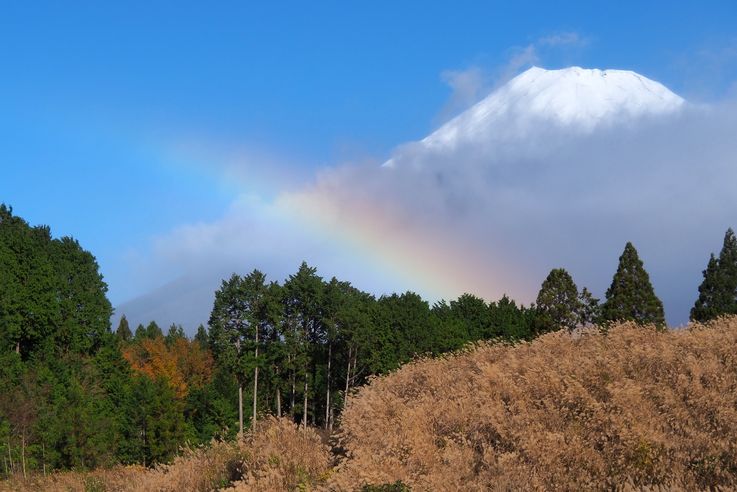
556	199
490	220
467	87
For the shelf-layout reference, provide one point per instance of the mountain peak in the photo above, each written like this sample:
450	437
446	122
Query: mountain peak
576	98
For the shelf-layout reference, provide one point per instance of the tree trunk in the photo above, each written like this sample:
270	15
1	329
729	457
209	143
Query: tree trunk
355	363
240	410
143	438
278	402
17	347
255	385
10	457
23	454
327	392
304	408
43	457
347	378
293	379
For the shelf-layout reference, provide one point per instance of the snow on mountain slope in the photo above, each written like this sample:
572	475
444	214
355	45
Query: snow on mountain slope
576	99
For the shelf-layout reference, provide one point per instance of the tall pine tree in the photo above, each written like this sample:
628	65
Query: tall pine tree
124	331
718	291
631	296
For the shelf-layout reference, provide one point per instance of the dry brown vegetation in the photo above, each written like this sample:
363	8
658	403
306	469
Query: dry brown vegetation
637	407
633	408
277	456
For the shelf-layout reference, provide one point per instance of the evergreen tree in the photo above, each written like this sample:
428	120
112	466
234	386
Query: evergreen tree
123	332
473	312
28	307
558	304
631	296
302	298
153	331
718	291
83	319
155	424
202	337
235	325
357	339
175	332
140	333
511	322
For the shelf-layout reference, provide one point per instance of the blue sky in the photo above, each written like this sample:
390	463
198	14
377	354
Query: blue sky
117	119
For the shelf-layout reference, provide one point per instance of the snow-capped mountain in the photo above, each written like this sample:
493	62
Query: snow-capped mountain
575	99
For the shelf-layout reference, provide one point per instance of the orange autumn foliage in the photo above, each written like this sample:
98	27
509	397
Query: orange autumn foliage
184	364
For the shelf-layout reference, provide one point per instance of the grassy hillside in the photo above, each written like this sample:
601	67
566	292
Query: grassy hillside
632	408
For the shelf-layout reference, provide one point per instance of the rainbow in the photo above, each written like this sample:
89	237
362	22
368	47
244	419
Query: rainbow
440	264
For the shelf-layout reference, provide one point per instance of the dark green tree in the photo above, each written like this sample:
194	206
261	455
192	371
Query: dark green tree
140	333
153	331
202	336
557	303
55	318
631	296
473	312
175	332
84	311
236	323
155	422
303	328
718	291
28	302
123	332
510	321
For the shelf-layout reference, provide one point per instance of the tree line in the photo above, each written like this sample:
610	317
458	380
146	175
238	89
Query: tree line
76	394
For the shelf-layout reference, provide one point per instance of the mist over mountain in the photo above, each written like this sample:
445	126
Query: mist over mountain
556	168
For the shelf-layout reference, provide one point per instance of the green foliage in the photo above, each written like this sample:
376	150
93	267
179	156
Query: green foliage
557	302
631	296
62	373
211	411
123	332
511	322
153	331
154	427
718	291
560	305
84	311
202	337
77	420
175	332
318	339
236	320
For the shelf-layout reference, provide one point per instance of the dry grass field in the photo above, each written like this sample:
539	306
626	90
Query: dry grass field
277	456
635	408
